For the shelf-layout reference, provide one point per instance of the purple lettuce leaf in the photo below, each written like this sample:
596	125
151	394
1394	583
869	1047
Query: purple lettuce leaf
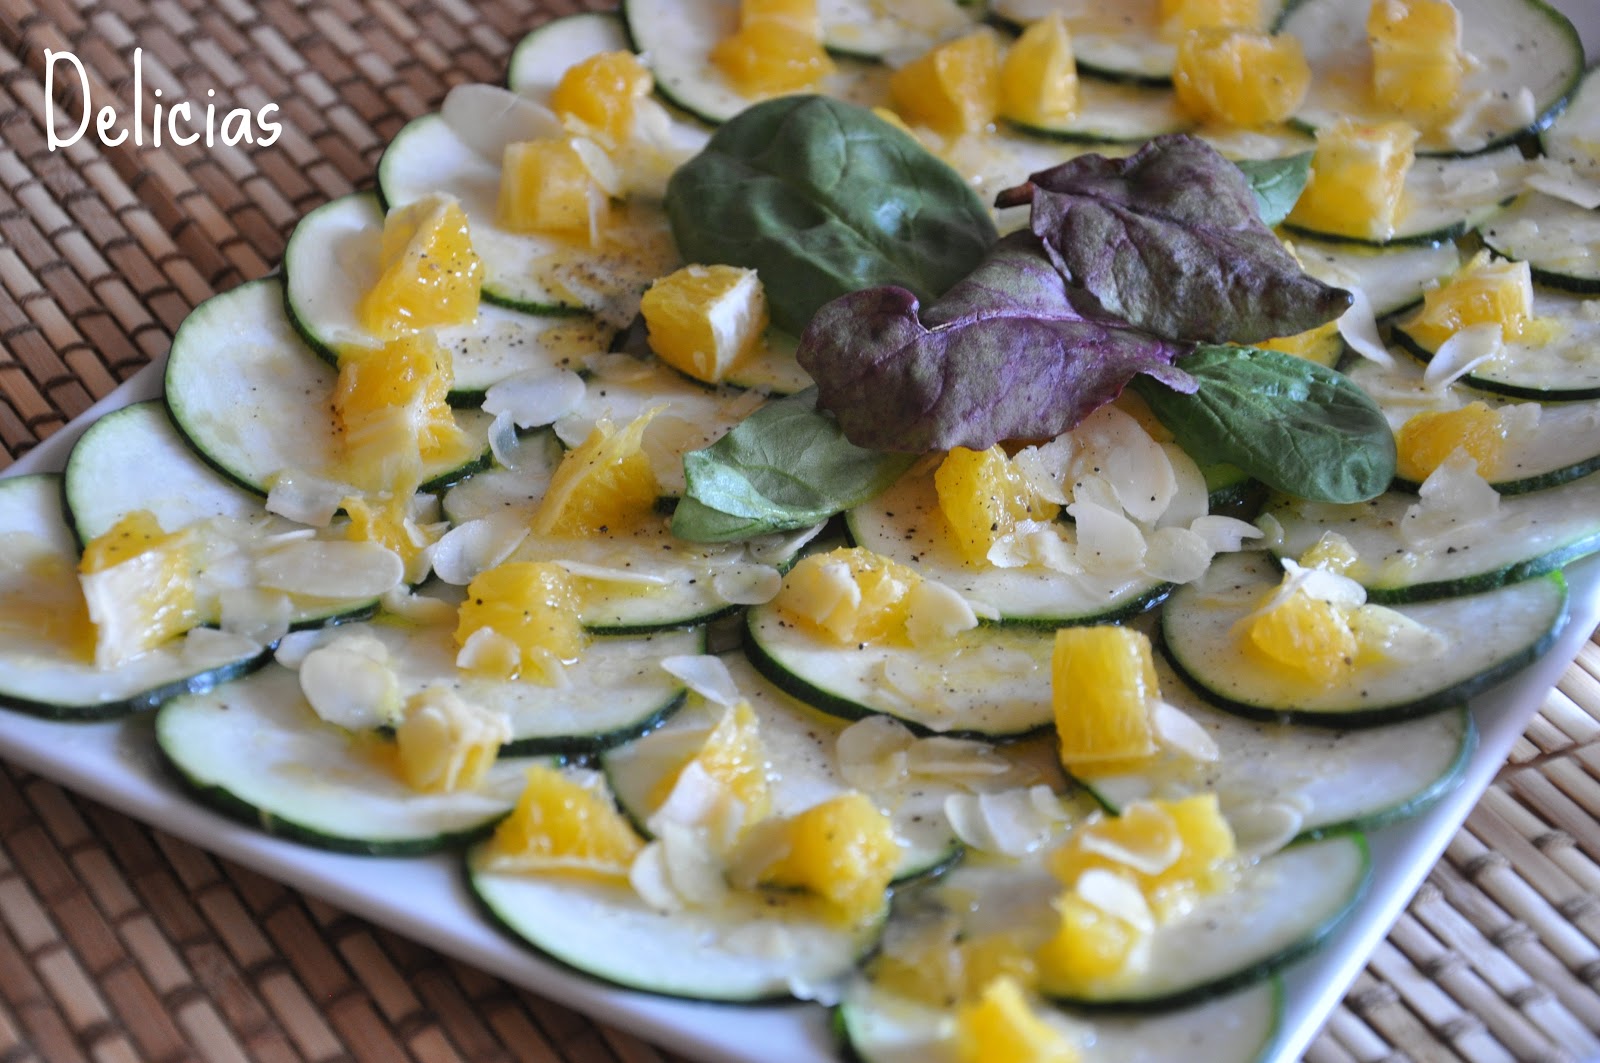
1170	240
1010	352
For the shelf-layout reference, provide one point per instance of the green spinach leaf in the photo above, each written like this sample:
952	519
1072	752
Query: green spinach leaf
1276	183
823	198
785	466
1294	425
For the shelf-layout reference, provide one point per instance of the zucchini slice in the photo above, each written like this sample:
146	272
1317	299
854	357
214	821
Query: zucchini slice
883	1027
1573	136
770	369
616	690
1444	198
992	682
252	399
1394	278
757	946
1524	50
544	54
904	523
1116	113
255	750
516	489
1484	638
871	29
1340	779
1564	367
134	458
533	272
675	38
1114	42
1526	536
331	262
1560	241
799	745
41	613
1281	908
1563	445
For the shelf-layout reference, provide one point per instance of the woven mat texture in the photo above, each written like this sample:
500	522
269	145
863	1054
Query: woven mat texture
120	943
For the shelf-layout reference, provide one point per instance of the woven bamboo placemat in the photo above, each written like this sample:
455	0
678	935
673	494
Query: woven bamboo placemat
120	943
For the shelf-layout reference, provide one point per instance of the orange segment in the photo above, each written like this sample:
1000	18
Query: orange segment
530	605
1188	840
1304	637
562	826
735	757
546	186
983	495
1181	16
1486	291
1039	77
1102	684
953	88
604	486
392	411
1240	78
1358	175
1416	58
1427	439
705	320
777	48
599	92
430	275
1001	1027
1089	948
139	586
843	850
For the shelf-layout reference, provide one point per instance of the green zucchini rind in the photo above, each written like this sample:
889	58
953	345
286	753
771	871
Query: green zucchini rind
135	458
331	262
904	523
729	955
1343	779
255	750
1559	240
253	400
1443	199
1283	909
1501	34
991	683
40	676
1570	138
1394	278
799	746
1115	42
878	1026
1561	368
1487	637
544	54
1529	535
872	30
1563	446
1113	113
616	690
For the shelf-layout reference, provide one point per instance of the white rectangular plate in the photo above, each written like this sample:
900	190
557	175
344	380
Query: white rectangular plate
427	899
